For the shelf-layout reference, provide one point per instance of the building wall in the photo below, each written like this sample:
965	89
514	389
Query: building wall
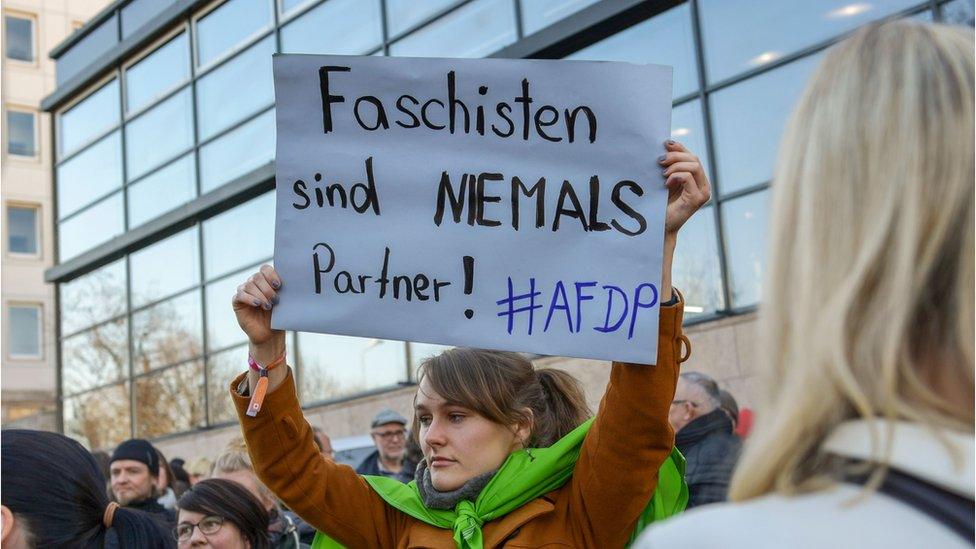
148	340
29	385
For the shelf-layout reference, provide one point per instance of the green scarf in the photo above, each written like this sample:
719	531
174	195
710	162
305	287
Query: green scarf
525	476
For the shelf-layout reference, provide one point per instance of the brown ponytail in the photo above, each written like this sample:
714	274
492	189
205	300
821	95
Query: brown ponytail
501	386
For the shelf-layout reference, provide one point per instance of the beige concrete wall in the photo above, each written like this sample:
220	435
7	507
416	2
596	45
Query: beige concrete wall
724	349
28	385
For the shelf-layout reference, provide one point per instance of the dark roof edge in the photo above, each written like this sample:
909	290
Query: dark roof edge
86	29
101	66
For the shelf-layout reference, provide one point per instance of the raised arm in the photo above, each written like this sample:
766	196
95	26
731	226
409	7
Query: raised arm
617	470
330	497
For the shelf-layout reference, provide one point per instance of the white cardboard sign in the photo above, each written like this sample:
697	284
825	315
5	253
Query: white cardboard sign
503	204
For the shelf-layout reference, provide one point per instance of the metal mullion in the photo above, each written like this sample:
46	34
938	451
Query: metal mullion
172	366
385	25
235	125
430	19
276	22
296	13
233	53
96	388
236	270
162	166
196	170
98	200
169	94
178	294
710	150
131	349
519	31
98	324
739	193
59	161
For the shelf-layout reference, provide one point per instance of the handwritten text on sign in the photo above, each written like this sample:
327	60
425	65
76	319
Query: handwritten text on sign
505	204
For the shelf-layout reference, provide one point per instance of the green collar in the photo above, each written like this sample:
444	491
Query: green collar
525	476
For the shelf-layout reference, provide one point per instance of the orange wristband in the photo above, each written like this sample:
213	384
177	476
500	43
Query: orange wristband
261	389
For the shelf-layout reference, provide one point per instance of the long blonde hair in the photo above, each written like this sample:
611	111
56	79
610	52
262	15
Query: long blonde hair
868	297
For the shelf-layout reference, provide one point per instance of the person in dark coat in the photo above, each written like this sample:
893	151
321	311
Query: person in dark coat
704	435
389	432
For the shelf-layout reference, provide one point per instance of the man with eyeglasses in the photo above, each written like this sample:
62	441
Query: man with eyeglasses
704	435
389	432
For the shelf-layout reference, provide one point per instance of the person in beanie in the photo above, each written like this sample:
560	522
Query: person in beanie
389	432
134	468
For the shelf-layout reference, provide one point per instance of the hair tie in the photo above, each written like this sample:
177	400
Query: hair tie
109	514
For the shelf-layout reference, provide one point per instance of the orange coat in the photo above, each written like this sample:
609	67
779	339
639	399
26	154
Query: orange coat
613	480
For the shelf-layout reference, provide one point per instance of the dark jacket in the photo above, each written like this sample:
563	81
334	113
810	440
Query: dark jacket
711	450
371	466
164	518
287	531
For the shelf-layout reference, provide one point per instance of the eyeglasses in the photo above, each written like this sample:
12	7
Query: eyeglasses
691	402
391	435
207	525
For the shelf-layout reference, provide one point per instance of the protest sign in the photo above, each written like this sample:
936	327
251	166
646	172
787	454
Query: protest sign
503	204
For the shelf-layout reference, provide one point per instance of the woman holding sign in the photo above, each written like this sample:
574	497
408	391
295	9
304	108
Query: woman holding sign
509	456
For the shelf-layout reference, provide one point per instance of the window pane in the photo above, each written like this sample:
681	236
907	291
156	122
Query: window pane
165	268
958	12
92	227
240	151
287	6
222	328
335	366
92	116
343	27
170	401
241	236
159	134
222	100
688	129
744	224
20	38
740	35
92	298
229	25
162	190
24	334
665	39
697	271
22	230
537	14
747	120
20	133
95	357
476	30
100	419
90	175
158	72
167	333
403	14
422	351
222	368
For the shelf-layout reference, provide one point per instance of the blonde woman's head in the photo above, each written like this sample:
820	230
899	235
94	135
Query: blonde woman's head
868	298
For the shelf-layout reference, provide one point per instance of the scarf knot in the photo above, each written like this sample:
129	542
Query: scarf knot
468	523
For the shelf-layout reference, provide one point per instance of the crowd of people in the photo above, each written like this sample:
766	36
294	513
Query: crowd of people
865	426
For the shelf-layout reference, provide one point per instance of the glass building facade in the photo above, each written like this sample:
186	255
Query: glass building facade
164	136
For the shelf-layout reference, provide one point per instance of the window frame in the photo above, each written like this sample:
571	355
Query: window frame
152	48
38	254
199	69
14	107
32	18
24	304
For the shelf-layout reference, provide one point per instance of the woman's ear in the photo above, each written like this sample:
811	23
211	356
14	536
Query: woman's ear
523	429
8	524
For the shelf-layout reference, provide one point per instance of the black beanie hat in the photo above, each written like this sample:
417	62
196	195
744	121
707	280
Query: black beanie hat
139	450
